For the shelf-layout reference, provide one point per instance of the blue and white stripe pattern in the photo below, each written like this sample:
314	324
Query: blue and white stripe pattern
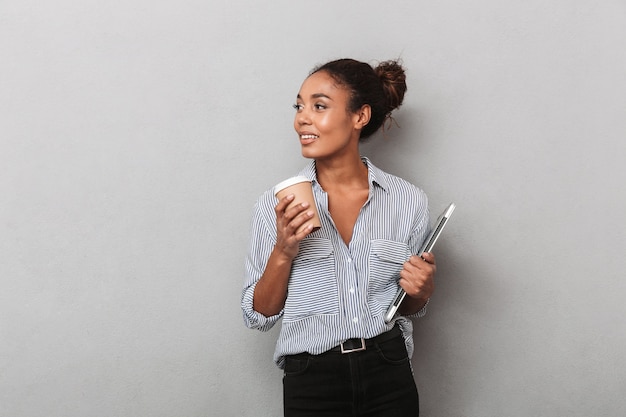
335	291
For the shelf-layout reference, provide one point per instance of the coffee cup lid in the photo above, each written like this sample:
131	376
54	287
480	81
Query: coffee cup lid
289	182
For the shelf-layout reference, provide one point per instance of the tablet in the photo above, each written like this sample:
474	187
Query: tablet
428	245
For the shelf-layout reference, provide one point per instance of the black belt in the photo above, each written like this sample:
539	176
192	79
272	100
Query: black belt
359	344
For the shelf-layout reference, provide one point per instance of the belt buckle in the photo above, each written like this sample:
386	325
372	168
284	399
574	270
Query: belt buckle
356	349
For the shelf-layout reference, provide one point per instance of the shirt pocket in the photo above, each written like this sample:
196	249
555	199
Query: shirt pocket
385	263
312	286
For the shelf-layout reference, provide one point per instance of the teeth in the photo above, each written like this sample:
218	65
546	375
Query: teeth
308	136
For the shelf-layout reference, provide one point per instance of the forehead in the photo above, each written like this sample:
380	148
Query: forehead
321	83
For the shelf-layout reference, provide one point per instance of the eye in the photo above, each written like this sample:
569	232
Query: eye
320	106
298	106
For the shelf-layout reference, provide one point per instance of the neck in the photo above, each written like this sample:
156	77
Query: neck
346	173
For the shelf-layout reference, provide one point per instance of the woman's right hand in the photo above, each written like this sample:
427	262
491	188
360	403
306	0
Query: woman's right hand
288	221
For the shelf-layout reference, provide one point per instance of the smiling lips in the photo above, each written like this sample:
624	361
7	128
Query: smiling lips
305	139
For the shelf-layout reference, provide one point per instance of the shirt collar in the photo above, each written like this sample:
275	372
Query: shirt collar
376	176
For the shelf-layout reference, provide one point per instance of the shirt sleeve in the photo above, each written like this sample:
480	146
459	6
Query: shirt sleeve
262	240
421	223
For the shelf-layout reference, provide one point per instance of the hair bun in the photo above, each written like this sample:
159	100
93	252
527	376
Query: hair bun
393	79
382	88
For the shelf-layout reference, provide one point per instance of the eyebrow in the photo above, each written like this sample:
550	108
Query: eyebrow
317	95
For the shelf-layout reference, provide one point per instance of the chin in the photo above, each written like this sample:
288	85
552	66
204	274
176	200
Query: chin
308	153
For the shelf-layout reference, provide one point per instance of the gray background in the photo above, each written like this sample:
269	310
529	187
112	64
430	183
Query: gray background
136	135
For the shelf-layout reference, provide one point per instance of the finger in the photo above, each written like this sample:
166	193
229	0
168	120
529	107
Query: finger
416	284
417	261
413	274
285	214
301	218
304	232
418	268
431	264
283	203
297	210
411	285
428	257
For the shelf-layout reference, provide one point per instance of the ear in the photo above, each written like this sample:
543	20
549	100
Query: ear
364	114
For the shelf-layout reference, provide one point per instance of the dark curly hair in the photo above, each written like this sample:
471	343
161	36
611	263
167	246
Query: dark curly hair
382	88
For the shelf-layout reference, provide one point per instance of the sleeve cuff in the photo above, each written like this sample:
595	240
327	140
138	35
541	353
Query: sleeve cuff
252	318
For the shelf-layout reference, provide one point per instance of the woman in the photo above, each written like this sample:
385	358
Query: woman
333	285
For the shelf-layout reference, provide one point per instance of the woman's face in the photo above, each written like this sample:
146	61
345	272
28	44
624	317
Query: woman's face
324	125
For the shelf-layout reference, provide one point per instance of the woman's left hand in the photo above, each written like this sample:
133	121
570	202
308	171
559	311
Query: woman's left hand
417	277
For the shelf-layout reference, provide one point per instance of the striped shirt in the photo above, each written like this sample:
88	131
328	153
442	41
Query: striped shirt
338	291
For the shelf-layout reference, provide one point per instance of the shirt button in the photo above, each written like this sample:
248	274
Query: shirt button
355	320
349	260
351	290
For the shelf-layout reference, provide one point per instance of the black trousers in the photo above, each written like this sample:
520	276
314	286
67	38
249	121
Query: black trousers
376	382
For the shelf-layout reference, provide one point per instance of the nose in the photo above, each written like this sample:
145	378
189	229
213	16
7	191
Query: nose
303	117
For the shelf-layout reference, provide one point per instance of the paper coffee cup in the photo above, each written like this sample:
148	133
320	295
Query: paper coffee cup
301	188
